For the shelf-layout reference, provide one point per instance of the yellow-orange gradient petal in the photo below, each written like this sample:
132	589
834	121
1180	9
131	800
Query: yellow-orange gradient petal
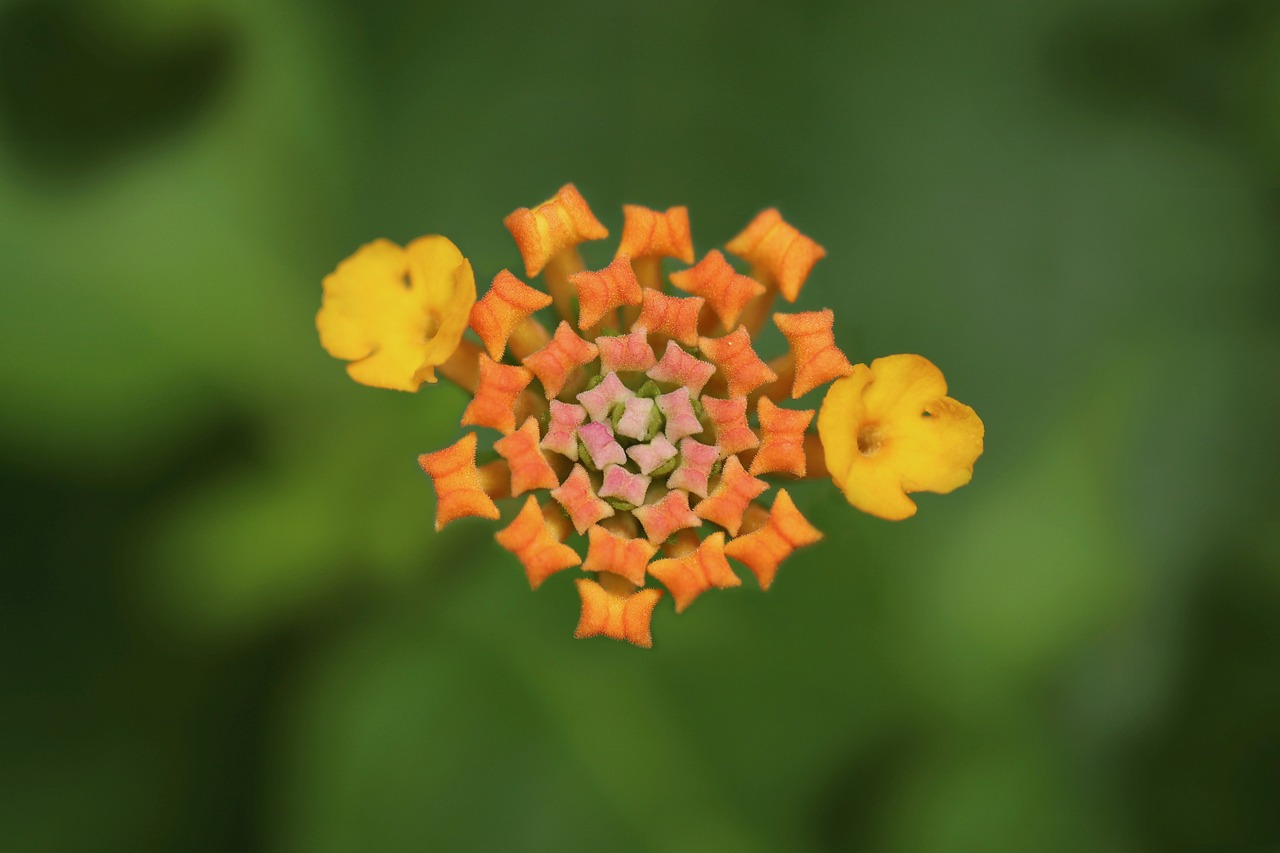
763	550
741	367
608	552
726	290
777	251
813	347
690	576
731	497
557	224
651	233
616	612
529	468
671	316
554	363
604	290
781	439
395	313
536	544
504	311
495	402
889	429
459	491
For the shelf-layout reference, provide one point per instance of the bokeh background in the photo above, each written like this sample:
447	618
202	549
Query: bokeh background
228	625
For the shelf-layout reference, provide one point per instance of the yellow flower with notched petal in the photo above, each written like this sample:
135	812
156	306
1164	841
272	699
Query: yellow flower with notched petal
890	429
396	313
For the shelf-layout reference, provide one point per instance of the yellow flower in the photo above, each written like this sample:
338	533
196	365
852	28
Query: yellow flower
396	313
890	429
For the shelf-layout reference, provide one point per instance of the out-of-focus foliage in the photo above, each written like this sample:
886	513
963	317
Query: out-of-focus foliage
228	624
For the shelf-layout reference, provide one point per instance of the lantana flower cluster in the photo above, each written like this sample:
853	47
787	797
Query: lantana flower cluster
638	438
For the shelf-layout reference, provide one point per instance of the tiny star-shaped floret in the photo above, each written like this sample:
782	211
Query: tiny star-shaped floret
696	460
813	348
554	226
608	552
651	456
626	352
602	291
666	516
532	541
763	550
742	368
677	408
579	501
729	417
601	399
651	233
562	431
782	439
602	448
615	613
624	485
504	309
636	418
677	367
778	251
494	404
457	482
529	468
726	290
553	363
689	576
672	316
731	497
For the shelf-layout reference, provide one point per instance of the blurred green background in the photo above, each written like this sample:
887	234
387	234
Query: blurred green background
228	625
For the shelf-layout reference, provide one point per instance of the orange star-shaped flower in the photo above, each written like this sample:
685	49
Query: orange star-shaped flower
613	608
671	316
603	291
653	234
495	402
457	482
664	517
580	500
608	552
535	545
782	439
763	550
729	417
554	226
731	497
504	311
742	368
689	576
529	468
813	349
726	290
777	251
553	363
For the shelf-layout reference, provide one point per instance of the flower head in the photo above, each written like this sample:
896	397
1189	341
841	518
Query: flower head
649	428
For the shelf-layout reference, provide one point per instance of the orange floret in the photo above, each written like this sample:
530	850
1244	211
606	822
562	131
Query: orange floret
608	552
457	482
626	352
729	417
726	290
603	291
552	227
816	357
777	251
693	574
651	233
536	544
504	311
553	363
730	499
612	609
781	439
671	316
580	501
741	367
664	517
495	402
764	549
529	468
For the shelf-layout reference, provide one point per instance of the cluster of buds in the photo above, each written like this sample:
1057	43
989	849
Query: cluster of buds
644	425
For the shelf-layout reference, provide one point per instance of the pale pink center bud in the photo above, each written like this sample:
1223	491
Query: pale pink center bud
678	410
600	399
562	431
624	485
696	460
653	455
597	438
634	422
